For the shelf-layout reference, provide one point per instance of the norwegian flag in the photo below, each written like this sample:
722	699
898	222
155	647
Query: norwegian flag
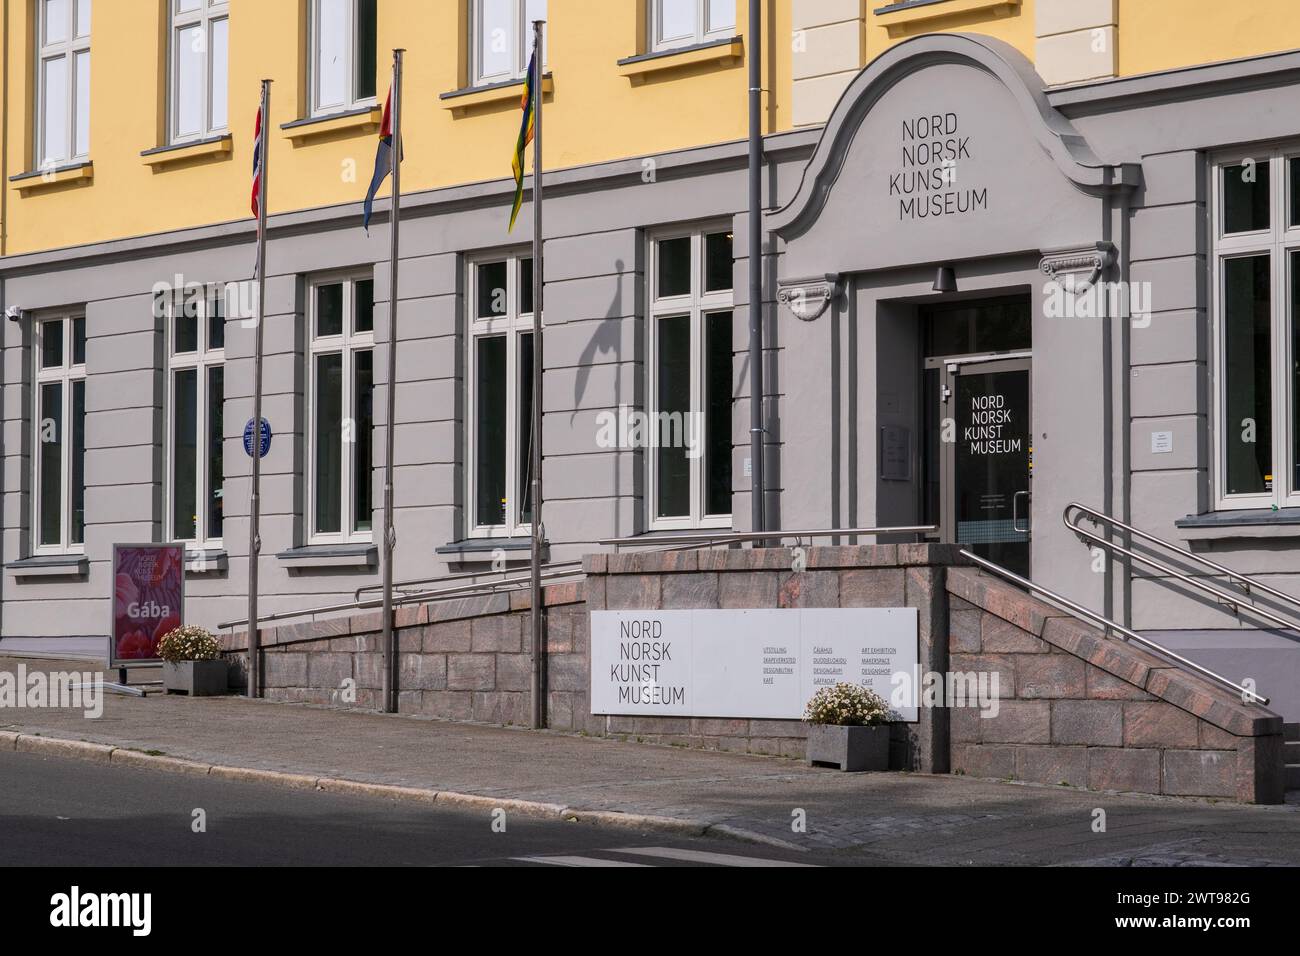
257	168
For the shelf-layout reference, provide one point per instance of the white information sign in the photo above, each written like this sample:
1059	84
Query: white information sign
747	663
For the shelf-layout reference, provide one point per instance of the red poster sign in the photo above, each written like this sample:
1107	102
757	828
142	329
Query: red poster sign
148	598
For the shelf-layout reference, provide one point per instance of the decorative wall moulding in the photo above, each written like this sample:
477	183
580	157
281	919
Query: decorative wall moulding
1080	268
809	298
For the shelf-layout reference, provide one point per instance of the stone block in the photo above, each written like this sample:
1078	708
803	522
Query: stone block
1124	769
1004	665
1200	773
1104	686
497	707
688	591
632	591
1050	675
809	589
1053	765
419	672
1157	724
284	670
1017	722
1098	723
873	587
471	671
998	763
999	636
963	629
447	704
328	670
447	637
741	591
499	634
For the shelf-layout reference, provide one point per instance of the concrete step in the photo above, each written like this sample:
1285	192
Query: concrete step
1291	732
1291	752
1292	777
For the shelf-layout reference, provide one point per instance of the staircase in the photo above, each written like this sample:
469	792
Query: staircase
1291	755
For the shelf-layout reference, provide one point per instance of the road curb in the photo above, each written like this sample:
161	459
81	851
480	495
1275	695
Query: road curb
59	747
137	759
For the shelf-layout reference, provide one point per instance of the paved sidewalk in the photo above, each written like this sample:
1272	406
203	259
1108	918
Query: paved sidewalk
891	818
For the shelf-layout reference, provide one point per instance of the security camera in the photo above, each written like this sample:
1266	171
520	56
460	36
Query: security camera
14	313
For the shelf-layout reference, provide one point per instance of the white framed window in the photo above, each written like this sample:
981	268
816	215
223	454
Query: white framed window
59	407
501	38
343	46
1256	362
500	402
341	421
196	370
679	23
200	61
689	392
62	82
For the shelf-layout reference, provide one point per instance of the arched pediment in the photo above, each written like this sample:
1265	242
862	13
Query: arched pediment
1006	66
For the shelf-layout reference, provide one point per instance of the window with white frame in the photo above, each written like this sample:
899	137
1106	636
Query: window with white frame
679	23
200	55
196	342
690	379
342	65
500	396
62	81
1257	329
340	389
59	502
502	38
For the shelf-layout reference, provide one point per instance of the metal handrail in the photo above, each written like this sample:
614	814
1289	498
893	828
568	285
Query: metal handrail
1225	597
730	537
459	576
1079	611
434	594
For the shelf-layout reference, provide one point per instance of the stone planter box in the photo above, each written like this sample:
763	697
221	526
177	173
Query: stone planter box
196	678
849	748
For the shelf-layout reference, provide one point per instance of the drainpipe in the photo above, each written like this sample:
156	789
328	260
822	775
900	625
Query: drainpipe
755	43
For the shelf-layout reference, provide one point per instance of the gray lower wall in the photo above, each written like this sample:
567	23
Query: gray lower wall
1099	389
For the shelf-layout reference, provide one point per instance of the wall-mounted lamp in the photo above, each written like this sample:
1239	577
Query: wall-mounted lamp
945	280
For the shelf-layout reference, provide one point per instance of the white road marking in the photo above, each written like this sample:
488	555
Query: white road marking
701	856
574	861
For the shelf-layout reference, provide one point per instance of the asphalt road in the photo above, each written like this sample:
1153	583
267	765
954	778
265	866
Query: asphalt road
62	812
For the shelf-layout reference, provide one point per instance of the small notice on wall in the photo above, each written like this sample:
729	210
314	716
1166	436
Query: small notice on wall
746	663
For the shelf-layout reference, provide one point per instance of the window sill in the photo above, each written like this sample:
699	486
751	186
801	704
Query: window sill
902	18
330	556
206	561
1253	523
77	174
365	119
50	566
716	53
482	549
166	157
471	98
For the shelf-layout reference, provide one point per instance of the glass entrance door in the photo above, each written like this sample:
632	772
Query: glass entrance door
988	461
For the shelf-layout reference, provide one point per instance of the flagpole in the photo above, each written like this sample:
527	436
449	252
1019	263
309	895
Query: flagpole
255	501
390	533
538	645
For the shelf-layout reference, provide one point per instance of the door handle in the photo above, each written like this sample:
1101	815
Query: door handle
1015	512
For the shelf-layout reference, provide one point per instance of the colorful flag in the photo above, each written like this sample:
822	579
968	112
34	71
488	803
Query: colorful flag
528	105
258	145
383	159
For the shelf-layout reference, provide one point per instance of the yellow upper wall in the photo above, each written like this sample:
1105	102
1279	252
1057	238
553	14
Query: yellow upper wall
595	113
1164	34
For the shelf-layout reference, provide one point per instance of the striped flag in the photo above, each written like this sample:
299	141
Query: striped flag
258	145
383	160
528	105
